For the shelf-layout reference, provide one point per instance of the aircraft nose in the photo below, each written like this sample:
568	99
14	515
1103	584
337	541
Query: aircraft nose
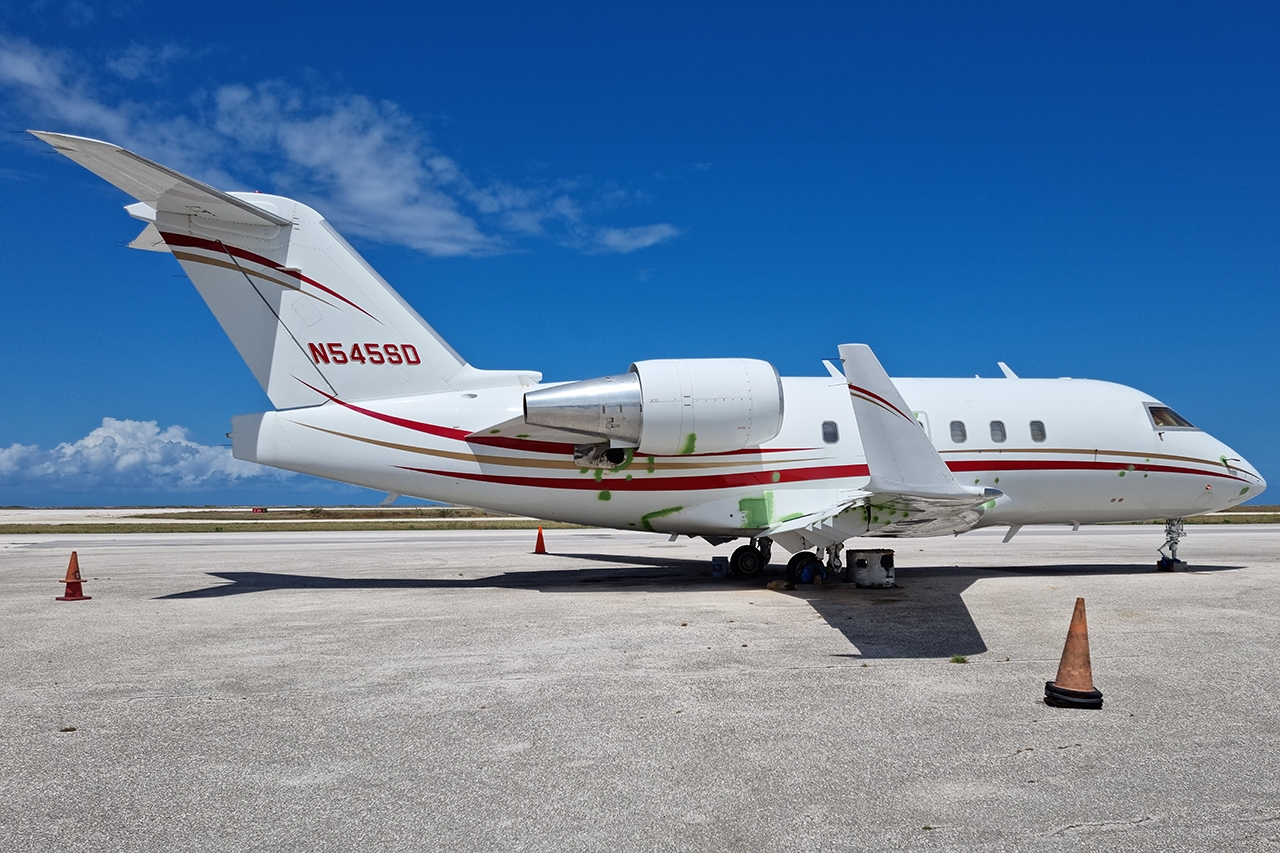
1254	484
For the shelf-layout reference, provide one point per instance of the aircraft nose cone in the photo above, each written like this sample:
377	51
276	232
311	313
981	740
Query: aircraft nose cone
1255	484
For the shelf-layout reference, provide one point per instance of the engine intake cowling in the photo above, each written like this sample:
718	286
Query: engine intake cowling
669	406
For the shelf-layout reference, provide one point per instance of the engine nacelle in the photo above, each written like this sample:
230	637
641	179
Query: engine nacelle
669	406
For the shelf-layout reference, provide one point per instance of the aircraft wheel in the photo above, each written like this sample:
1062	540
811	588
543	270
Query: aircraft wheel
793	565
805	569
746	562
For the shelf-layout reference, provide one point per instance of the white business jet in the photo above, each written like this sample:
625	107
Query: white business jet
367	393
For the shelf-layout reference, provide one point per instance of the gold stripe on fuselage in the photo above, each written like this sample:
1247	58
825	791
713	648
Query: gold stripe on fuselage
528	462
1129	454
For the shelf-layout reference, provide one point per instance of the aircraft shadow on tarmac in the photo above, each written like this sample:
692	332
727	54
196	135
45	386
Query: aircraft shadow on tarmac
924	616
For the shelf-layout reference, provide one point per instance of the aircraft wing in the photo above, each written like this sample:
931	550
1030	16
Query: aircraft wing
911	491
157	186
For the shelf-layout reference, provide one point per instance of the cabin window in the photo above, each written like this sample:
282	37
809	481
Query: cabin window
997	431
958	435
1037	430
830	432
1165	418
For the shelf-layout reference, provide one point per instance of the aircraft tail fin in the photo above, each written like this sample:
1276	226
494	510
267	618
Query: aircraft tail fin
311	319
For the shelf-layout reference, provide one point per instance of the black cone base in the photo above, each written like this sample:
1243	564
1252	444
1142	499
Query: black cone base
1061	697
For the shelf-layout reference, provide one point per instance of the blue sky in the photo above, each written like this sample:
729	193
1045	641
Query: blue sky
1089	191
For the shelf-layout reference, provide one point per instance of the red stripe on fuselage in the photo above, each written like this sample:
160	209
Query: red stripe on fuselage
526	444
661	484
244	254
1076	465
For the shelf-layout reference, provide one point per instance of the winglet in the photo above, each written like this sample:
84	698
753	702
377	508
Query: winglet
900	456
149	182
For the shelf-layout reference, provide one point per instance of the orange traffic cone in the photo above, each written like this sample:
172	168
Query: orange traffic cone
73	581
1073	688
540	547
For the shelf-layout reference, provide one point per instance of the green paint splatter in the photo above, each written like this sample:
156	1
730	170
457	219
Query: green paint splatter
775	476
628	476
997	479
626	463
604	495
1122	473
976	482
599	474
657	513
689	441
494	431
1245	490
650	464
989	505
522	435
756	512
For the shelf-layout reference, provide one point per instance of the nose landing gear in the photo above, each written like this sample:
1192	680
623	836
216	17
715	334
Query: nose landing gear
1173	531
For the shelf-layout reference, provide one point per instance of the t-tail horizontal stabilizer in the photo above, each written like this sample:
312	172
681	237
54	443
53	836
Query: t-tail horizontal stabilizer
311	319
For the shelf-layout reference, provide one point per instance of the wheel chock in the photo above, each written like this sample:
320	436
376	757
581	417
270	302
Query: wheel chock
1073	688
73	580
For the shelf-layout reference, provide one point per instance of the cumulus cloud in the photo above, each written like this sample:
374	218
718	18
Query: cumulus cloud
362	162
130	454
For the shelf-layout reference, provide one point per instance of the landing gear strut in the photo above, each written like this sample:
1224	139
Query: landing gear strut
1172	533
834	566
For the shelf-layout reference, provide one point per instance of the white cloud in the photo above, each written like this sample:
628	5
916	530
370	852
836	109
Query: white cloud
48	85
625	240
139	60
363	163
132	454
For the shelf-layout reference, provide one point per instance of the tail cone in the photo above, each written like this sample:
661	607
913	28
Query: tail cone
1073	688
73	580
541	546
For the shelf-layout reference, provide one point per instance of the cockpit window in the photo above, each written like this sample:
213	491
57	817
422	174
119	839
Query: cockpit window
1165	418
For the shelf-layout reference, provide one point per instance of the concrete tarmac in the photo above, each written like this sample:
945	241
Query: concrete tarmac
450	691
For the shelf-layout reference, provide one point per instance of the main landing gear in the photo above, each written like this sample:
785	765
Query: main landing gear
805	567
1172	533
750	560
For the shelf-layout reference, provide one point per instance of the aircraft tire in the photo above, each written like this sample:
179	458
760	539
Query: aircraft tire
793	565
746	562
803	563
